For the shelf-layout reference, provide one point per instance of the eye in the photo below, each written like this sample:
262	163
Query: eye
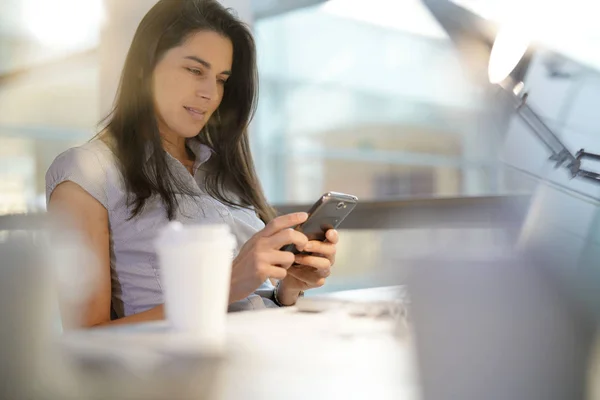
222	81
195	71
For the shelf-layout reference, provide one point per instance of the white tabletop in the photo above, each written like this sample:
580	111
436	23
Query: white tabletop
275	354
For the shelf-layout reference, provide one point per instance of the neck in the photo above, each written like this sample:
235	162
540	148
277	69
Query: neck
175	146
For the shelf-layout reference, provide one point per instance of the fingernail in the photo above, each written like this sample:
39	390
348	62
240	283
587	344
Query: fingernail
308	247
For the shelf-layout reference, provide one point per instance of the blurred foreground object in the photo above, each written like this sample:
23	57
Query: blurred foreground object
497	327
26	310
579	282
46	275
541	300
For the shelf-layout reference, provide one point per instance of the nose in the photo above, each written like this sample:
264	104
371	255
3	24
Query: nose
207	90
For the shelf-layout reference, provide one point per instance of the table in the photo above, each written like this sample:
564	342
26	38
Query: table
272	354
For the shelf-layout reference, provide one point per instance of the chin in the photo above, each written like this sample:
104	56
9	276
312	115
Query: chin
190	132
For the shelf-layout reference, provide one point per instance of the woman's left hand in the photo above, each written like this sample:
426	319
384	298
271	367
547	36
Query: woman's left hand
311	270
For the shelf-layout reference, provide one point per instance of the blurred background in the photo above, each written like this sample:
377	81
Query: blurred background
370	100
385	99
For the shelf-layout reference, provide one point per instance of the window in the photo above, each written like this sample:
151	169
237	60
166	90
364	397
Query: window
368	100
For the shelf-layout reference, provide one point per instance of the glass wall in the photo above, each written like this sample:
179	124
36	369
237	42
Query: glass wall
374	101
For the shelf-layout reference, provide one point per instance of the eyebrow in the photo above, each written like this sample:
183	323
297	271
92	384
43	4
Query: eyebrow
205	63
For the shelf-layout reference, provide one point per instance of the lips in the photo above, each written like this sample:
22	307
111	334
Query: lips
196	113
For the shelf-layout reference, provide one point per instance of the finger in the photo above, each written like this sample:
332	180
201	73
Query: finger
275	272
283	259
325	248
313	261
283	222
323	272
309	276
332	236
288	236
331	257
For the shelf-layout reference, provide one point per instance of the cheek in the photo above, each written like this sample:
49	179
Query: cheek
170	107
162	95
168	89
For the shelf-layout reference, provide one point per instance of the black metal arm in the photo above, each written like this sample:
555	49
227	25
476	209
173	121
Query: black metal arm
582	173
561	156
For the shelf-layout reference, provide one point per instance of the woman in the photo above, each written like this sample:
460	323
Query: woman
175	147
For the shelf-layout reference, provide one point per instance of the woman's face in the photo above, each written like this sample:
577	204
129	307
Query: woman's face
188	83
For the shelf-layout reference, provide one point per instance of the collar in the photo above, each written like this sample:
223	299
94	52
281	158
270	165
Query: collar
201	151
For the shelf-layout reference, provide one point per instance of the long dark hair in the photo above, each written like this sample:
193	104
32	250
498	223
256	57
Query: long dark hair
133	124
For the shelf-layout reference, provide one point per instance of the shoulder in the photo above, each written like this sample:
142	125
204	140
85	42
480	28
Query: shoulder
92	152
88	165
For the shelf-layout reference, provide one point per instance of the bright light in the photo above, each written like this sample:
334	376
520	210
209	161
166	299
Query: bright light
569	27
518	89
64	24
404	15
509	47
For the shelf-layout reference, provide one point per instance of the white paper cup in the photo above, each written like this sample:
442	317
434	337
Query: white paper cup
195	263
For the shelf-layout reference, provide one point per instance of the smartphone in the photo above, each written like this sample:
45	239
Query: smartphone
327	213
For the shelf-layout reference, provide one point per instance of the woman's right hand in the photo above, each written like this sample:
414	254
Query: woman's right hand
260	257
